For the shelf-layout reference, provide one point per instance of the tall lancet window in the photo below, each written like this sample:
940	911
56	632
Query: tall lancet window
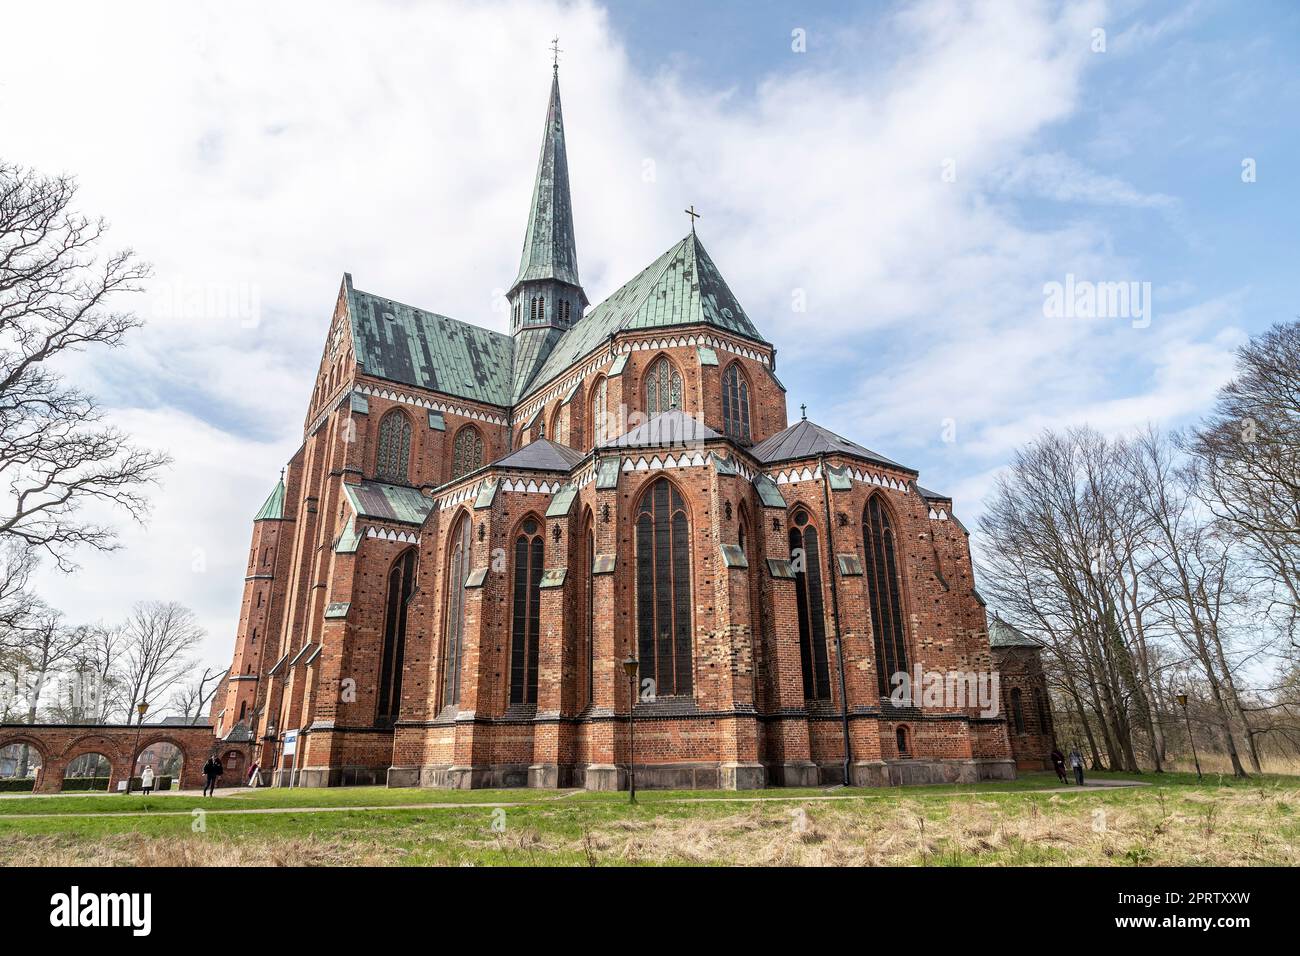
663	387
735	403
663	589
453	643
393	460
599	413
401	584
526	619
880	552
805	554
467	451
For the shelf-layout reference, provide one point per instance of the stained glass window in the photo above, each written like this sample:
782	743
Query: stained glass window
806	556
885	592
467	451
401	584
735	403
526	619
663	387
663	585
394	456
599	415
457	572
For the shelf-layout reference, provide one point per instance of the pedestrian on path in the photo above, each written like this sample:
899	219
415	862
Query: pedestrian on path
146	781
1076	761
1058	764
211	771
254	775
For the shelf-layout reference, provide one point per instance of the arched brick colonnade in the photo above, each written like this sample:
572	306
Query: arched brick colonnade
60	744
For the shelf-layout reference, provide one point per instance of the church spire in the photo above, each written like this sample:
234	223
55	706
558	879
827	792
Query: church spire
546	299
549	248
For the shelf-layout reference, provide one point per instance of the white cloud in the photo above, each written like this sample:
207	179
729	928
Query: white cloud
260	150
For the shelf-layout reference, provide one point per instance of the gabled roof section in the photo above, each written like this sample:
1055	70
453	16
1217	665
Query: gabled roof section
673	428
1002	634
404	344
550	251
374	499
541	455
273	508
681	287
804	439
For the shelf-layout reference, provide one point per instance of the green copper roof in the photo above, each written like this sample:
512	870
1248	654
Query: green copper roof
681	287
404	344
549	248
1002	634
768	493
374	499
273	509
562	502
349	540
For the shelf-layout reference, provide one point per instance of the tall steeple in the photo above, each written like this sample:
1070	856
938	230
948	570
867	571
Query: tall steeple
547	297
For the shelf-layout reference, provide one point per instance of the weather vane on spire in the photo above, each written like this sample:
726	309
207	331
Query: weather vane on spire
693	214
555	53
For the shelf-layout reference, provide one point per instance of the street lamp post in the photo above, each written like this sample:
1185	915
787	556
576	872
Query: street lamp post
1182	701
630	665
141	708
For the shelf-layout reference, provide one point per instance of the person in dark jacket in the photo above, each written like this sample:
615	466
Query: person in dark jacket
211	771
1058	764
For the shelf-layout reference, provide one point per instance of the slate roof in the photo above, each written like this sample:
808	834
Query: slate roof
681	287
401	343
1002	634
550	251
541	455
805	439
273	508
929	495
667	429
374	499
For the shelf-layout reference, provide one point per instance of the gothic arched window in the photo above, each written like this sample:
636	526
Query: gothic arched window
663	589
735	403
1017	711
457	571
526	620
588	652
467	451
599	417
663	387
881	560
559	432
394	456
805	554
401	584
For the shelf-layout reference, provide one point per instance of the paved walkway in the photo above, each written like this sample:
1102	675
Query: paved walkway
493	804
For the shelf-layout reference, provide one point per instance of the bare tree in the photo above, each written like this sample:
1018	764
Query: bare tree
160	636
191	699
17	603
57	297
1247	456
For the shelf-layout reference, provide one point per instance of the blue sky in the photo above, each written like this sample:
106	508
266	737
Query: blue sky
265	151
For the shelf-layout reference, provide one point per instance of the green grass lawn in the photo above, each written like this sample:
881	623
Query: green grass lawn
1173	820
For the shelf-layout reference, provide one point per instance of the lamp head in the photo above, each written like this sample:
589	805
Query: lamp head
1182	700
142	708
630	664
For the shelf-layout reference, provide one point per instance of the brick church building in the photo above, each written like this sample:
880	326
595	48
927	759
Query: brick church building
480	529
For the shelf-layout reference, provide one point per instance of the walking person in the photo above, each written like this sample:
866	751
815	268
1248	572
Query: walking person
1058	764
1076	761
211	771
254	775
146	781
